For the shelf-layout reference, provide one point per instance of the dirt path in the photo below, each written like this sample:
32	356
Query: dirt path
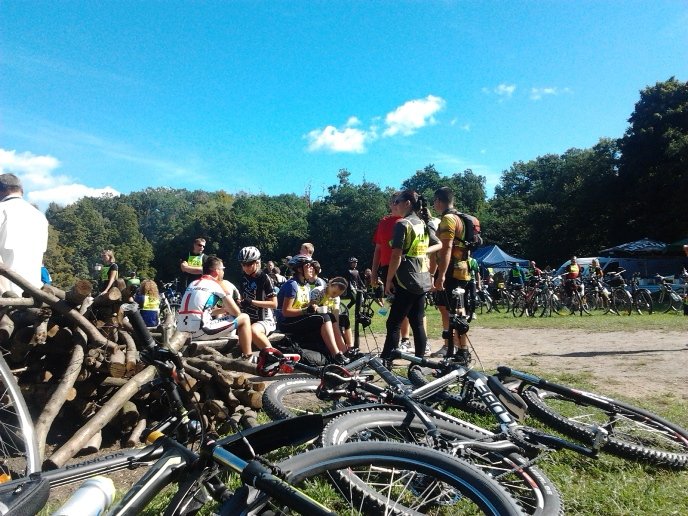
631	363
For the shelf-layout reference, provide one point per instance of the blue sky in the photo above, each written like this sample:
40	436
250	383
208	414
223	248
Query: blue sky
275	97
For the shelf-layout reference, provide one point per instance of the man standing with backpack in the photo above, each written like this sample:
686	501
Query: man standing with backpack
457	234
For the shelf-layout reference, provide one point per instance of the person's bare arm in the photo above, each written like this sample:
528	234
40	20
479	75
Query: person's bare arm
394	262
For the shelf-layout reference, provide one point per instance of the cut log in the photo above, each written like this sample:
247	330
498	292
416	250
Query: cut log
132	355
135	436
98	421
249	419
118	368
79	292
93	444
249	398
128	416
6	328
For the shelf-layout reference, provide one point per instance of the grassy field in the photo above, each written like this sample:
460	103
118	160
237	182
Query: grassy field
597	322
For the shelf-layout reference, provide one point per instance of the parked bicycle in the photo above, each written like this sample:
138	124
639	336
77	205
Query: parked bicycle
550	300
668	297
170	299
642	298
621	301
484	302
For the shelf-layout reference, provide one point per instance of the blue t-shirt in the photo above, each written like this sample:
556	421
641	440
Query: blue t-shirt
292	289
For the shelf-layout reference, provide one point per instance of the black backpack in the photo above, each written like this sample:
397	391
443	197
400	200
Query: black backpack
471	238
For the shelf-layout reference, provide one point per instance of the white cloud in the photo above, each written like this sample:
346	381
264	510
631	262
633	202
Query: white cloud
413	115
42	184
538	93
332	139
505	90
351	137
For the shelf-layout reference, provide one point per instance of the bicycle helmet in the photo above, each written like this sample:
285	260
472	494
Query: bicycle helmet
249	254
299	261
353	259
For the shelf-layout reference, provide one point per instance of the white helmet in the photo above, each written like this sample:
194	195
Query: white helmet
249	254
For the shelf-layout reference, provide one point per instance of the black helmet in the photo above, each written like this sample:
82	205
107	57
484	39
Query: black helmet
299	261
353	259
249	254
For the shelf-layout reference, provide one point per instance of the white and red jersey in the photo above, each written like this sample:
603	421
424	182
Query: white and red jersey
201	296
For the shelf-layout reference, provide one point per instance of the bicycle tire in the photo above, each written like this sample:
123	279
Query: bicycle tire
519	306
675	303
294	396
634	433
531	489
643	302
19	455
388	479
621	302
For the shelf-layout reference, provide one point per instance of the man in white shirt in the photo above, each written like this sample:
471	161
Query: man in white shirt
23	235
198	313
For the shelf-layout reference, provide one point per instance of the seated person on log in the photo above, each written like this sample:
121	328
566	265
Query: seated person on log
329	297
198	314
148	299
296	314
258	298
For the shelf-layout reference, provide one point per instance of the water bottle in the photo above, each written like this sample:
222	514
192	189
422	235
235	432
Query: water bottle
91	499
383	309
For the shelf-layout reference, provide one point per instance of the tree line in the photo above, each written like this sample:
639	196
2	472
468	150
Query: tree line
544	209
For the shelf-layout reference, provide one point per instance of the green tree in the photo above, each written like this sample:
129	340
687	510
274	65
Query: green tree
342	224
653	168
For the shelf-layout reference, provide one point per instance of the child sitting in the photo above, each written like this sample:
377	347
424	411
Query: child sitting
328	297
148	299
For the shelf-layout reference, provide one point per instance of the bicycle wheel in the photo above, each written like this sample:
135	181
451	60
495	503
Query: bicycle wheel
519	306
532	490
388	479
643	302
18	448
621	302
675	302
296	396
633	432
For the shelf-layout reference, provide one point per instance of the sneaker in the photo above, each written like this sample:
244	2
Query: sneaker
340	359
428	351
388	363
462	357
440	352
474	316
405	346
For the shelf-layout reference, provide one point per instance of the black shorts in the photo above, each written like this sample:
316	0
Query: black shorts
443	297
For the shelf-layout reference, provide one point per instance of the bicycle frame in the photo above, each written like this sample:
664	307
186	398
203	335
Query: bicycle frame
504	405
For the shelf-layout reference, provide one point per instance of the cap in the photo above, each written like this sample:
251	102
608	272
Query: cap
9	180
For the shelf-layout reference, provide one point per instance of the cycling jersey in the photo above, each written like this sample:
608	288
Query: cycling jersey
200	297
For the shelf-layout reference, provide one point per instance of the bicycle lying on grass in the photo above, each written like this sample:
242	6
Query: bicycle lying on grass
359	410
357	478
631	432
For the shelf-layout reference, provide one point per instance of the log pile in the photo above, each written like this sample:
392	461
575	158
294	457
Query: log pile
75	359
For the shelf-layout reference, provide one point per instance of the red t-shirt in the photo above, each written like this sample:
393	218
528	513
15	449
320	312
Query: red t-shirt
383	234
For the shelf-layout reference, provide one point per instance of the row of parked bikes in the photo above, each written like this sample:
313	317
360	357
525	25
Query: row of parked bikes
553	295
